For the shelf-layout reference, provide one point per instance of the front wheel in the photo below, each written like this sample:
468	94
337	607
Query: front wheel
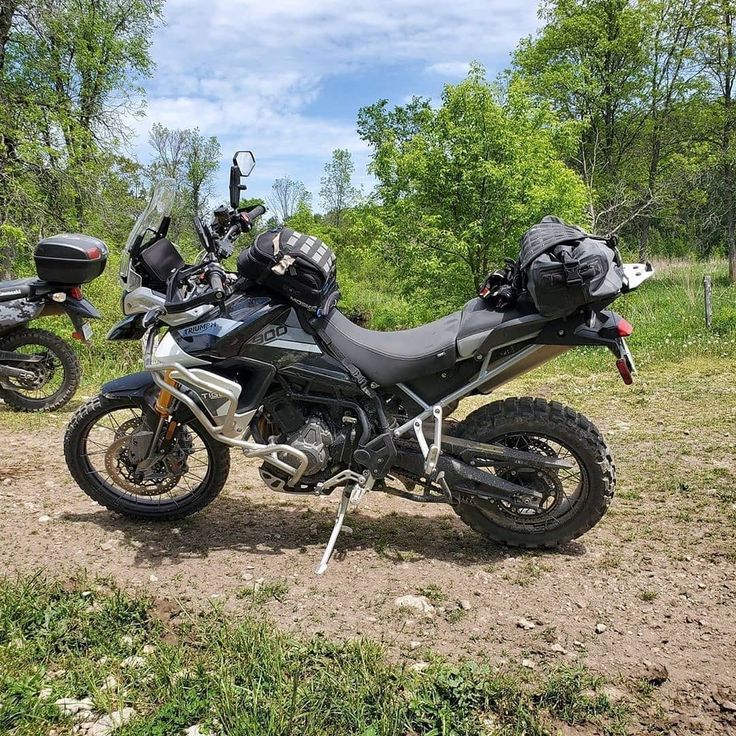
185	479
53	376
573	500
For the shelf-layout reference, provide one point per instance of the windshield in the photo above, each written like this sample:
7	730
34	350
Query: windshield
147	225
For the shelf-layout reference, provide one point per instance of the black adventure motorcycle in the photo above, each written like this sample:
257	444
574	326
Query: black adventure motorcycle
38	370
253	361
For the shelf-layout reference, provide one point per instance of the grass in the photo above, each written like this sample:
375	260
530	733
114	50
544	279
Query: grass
243	677
648	595
433	593
260	593
529	572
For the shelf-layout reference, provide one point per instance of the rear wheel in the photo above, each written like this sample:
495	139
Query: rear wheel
54	375
573	499
97	446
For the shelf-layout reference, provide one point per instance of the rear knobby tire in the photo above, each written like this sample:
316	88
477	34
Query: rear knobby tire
107	495
562	425
68	363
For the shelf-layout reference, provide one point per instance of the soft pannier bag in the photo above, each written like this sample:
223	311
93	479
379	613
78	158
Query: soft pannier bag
573	276
565	268
301	267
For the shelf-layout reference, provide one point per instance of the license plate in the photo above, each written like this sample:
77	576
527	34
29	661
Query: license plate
86	330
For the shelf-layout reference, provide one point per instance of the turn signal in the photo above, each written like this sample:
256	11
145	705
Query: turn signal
624	328
76	293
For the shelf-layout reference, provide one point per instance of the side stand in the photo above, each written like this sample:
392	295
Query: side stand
353	493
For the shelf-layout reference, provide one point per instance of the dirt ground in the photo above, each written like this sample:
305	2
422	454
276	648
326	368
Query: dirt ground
650	594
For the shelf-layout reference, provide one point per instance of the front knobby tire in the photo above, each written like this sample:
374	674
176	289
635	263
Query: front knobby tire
64	372
546	425
80	450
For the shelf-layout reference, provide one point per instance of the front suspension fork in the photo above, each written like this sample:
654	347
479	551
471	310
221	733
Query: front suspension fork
164	406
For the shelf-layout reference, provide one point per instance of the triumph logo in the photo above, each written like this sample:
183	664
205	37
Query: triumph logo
196	329
12	292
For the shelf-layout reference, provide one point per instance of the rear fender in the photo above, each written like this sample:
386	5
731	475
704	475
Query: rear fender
594	328
81	308
78	310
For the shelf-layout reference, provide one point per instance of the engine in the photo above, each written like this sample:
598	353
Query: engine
314	440
327	436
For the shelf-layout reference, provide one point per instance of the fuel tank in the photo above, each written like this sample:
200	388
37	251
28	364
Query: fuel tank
253	339
262	328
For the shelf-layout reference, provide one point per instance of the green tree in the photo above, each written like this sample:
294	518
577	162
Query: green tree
671	83
461	187
717	52
338	192
191	160
202	162
588	62
69	76
287	195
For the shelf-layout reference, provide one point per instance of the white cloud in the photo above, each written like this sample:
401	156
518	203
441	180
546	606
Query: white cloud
253	74
452	69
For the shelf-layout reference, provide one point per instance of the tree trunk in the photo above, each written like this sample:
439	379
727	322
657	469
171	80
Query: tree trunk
728	121
651	185
7	11
730	221
7	144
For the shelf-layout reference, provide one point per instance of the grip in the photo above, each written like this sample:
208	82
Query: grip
216	284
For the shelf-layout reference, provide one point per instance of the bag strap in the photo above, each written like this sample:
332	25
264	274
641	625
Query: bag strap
352	369
572	268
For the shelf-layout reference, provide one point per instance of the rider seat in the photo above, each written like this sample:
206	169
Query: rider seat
16	289
389	358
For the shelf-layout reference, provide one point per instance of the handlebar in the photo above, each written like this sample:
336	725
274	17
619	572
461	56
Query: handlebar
257	211
213	273
216	282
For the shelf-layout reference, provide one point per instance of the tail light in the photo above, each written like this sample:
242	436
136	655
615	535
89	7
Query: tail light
76	293
624	328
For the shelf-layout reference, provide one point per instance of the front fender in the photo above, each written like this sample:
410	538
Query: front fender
136	385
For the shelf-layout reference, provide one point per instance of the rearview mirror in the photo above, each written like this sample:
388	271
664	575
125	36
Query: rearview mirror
243	163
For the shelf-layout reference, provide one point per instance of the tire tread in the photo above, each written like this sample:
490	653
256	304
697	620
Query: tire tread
69	360
481	422
72	451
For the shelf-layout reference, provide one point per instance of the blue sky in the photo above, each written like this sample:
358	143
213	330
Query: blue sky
286	78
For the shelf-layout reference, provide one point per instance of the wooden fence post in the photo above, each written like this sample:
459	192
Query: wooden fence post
708	295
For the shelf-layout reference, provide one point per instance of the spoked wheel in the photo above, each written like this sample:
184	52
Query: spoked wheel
54	373
573	499
98	446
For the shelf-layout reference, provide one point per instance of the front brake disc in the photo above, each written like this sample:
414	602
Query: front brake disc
123	473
